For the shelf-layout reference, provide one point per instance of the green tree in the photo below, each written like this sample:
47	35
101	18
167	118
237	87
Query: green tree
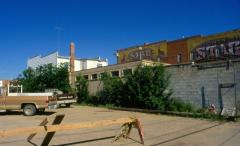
45	77
82	89
112	87
146	88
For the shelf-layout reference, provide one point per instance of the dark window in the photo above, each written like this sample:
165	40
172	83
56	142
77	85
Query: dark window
85	77
101	75
94	76
115	73
14	89
127	72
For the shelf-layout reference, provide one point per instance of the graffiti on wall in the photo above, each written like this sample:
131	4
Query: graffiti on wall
140	54
217	49
146	54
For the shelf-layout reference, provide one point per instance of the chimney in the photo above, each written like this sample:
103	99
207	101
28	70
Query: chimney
72	66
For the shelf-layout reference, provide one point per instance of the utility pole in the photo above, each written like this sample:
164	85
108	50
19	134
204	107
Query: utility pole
59	31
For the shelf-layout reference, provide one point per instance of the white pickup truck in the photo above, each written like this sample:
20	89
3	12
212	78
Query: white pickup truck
63	99
12	98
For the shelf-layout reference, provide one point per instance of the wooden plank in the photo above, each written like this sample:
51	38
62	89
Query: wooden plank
43	123
58	119
62	127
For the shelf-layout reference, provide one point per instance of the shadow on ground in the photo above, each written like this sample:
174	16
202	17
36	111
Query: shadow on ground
86	141
13	113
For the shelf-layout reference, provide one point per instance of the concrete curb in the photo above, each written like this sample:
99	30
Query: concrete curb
183	114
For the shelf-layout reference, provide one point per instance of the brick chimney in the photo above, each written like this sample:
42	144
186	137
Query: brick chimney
72	66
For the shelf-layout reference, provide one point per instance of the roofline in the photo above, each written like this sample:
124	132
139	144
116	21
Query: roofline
148	44
43	55
233	30
185	38
50	53
109	66
65	57
181	39
105	60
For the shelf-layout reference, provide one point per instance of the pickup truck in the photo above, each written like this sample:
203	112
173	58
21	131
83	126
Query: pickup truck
12	98
63	99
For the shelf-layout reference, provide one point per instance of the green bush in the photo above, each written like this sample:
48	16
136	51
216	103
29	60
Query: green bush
82	89
147	88
45	77
179	105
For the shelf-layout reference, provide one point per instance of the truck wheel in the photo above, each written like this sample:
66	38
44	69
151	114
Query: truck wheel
29	110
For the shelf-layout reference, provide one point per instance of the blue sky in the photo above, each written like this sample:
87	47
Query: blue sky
100	27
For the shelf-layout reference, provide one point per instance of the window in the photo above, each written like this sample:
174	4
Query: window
15	89
115	73
85	77
101	75
127	72
94	76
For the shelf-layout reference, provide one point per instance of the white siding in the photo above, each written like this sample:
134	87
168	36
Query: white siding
38	60
61	60
55	59
77	65
95	63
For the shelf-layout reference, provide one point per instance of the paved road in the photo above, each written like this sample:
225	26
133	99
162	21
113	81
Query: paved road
158	129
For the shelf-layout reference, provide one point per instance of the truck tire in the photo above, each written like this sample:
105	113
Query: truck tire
29	110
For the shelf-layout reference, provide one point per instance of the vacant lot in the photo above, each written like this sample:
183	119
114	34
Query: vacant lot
158	129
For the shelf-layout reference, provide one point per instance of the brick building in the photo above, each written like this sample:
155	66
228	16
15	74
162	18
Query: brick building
195	48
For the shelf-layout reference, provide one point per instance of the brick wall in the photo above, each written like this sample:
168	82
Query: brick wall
177	47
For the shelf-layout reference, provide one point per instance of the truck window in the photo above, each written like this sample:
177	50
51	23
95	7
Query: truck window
15	89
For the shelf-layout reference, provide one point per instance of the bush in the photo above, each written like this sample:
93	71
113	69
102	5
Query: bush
146	88
45	77
180	106
82	89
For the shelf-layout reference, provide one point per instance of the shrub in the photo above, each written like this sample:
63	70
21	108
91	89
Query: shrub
45	77
82	90
146	88
179	105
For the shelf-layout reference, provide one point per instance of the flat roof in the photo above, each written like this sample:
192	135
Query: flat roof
171	41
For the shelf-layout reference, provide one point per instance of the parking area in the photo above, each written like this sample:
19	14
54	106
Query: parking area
158	129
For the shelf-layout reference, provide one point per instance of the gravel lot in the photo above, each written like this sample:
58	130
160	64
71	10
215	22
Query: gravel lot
158	129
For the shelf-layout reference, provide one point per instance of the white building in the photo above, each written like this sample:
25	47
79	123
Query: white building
55	59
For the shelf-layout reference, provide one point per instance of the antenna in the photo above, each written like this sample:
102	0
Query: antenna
59	30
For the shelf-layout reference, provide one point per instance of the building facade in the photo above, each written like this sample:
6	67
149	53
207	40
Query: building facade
117	70
55	59
195	48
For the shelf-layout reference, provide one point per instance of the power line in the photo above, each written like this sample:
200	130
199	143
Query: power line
59	31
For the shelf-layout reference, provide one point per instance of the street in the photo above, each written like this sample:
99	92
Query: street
158	129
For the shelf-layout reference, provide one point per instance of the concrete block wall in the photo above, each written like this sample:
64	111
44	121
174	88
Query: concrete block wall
187	81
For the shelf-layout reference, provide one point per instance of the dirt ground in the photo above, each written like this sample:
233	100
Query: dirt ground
158	129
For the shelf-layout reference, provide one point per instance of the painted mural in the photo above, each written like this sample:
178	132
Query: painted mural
217	49
154	52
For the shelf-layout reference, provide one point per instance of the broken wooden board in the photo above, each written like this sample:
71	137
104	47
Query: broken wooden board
63	127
